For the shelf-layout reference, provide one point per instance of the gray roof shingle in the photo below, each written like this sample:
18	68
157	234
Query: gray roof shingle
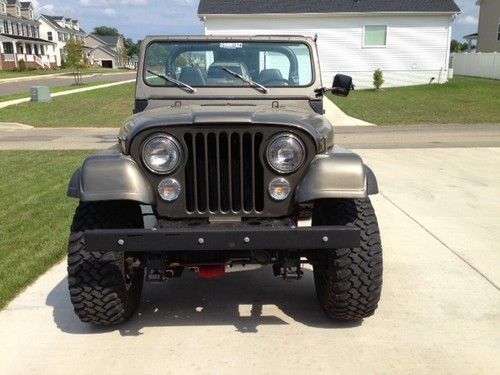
324	6
108	39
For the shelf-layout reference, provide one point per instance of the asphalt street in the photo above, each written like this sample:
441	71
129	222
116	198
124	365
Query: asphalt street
8	88
439	213
14	137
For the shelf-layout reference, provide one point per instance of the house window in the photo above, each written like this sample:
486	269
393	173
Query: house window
8	48
49	36
375	36
18	11
3	8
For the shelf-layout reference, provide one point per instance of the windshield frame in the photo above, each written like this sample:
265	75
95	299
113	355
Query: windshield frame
222	39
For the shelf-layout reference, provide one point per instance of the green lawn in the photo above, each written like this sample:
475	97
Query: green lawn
463	100
4	74
53	90
107	107
36	215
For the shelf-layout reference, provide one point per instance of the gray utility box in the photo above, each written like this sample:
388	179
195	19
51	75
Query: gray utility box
40	94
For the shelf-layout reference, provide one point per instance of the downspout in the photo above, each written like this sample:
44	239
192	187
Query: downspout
448	44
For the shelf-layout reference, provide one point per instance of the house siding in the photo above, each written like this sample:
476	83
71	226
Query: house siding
489	19
417	46
98	56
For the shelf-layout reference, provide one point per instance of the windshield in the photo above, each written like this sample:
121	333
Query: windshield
257	65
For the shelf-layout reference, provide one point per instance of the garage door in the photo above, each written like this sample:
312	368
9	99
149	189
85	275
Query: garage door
107	64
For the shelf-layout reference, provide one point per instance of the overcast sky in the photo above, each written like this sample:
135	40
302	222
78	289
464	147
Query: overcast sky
137	18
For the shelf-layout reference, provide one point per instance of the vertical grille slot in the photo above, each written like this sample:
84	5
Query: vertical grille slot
189	172
213	196
201	186
258	174
247	169
224	173
235	172
225	187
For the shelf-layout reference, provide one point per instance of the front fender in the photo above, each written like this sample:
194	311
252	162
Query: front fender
339	173
110	175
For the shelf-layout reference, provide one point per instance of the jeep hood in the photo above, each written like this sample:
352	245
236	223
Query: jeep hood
316	125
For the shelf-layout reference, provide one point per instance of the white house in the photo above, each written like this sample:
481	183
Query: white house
408	40
20	40
105	51
59	29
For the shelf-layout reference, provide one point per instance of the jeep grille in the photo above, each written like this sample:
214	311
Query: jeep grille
224	172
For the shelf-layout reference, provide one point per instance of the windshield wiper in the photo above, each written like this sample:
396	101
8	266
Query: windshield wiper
251	83
173	80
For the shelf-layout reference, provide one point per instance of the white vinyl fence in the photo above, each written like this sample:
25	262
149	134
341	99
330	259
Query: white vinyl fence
486	65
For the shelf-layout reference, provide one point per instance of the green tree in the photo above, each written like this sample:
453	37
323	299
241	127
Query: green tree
75	59
378	79
457	47
106	31
131	47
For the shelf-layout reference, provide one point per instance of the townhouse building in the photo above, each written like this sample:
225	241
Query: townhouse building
20	38
59	29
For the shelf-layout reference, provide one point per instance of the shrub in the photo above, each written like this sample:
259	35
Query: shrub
378	79
21	65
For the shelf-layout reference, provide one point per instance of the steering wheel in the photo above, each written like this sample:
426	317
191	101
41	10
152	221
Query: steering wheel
269	81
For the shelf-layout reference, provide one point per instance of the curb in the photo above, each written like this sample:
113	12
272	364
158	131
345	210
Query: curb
29	78
12	126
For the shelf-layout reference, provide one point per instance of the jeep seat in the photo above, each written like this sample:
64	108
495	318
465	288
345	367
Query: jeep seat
192	76
271	76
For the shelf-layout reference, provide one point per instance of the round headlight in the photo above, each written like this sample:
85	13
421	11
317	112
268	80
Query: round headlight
161	154
286	153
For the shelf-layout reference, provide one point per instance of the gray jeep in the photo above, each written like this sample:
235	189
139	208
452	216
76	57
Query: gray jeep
227	165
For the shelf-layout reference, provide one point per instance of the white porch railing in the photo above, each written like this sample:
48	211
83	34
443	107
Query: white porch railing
10	57
42	61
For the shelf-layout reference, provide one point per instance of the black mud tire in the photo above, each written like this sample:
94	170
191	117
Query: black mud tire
349	281
104	290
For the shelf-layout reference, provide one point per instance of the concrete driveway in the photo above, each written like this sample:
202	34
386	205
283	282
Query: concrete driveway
9	87
439	213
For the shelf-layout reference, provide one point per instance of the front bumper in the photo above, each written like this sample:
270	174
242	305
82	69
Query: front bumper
222	239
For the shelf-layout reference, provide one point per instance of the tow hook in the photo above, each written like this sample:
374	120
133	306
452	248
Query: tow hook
290	269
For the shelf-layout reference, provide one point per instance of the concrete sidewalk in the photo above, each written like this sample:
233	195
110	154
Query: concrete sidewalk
439	213
67	92
338	118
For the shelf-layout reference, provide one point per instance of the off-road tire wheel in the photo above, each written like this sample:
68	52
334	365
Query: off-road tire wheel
349	281
104	288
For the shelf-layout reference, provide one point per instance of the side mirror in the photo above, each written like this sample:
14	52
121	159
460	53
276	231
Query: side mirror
342	85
